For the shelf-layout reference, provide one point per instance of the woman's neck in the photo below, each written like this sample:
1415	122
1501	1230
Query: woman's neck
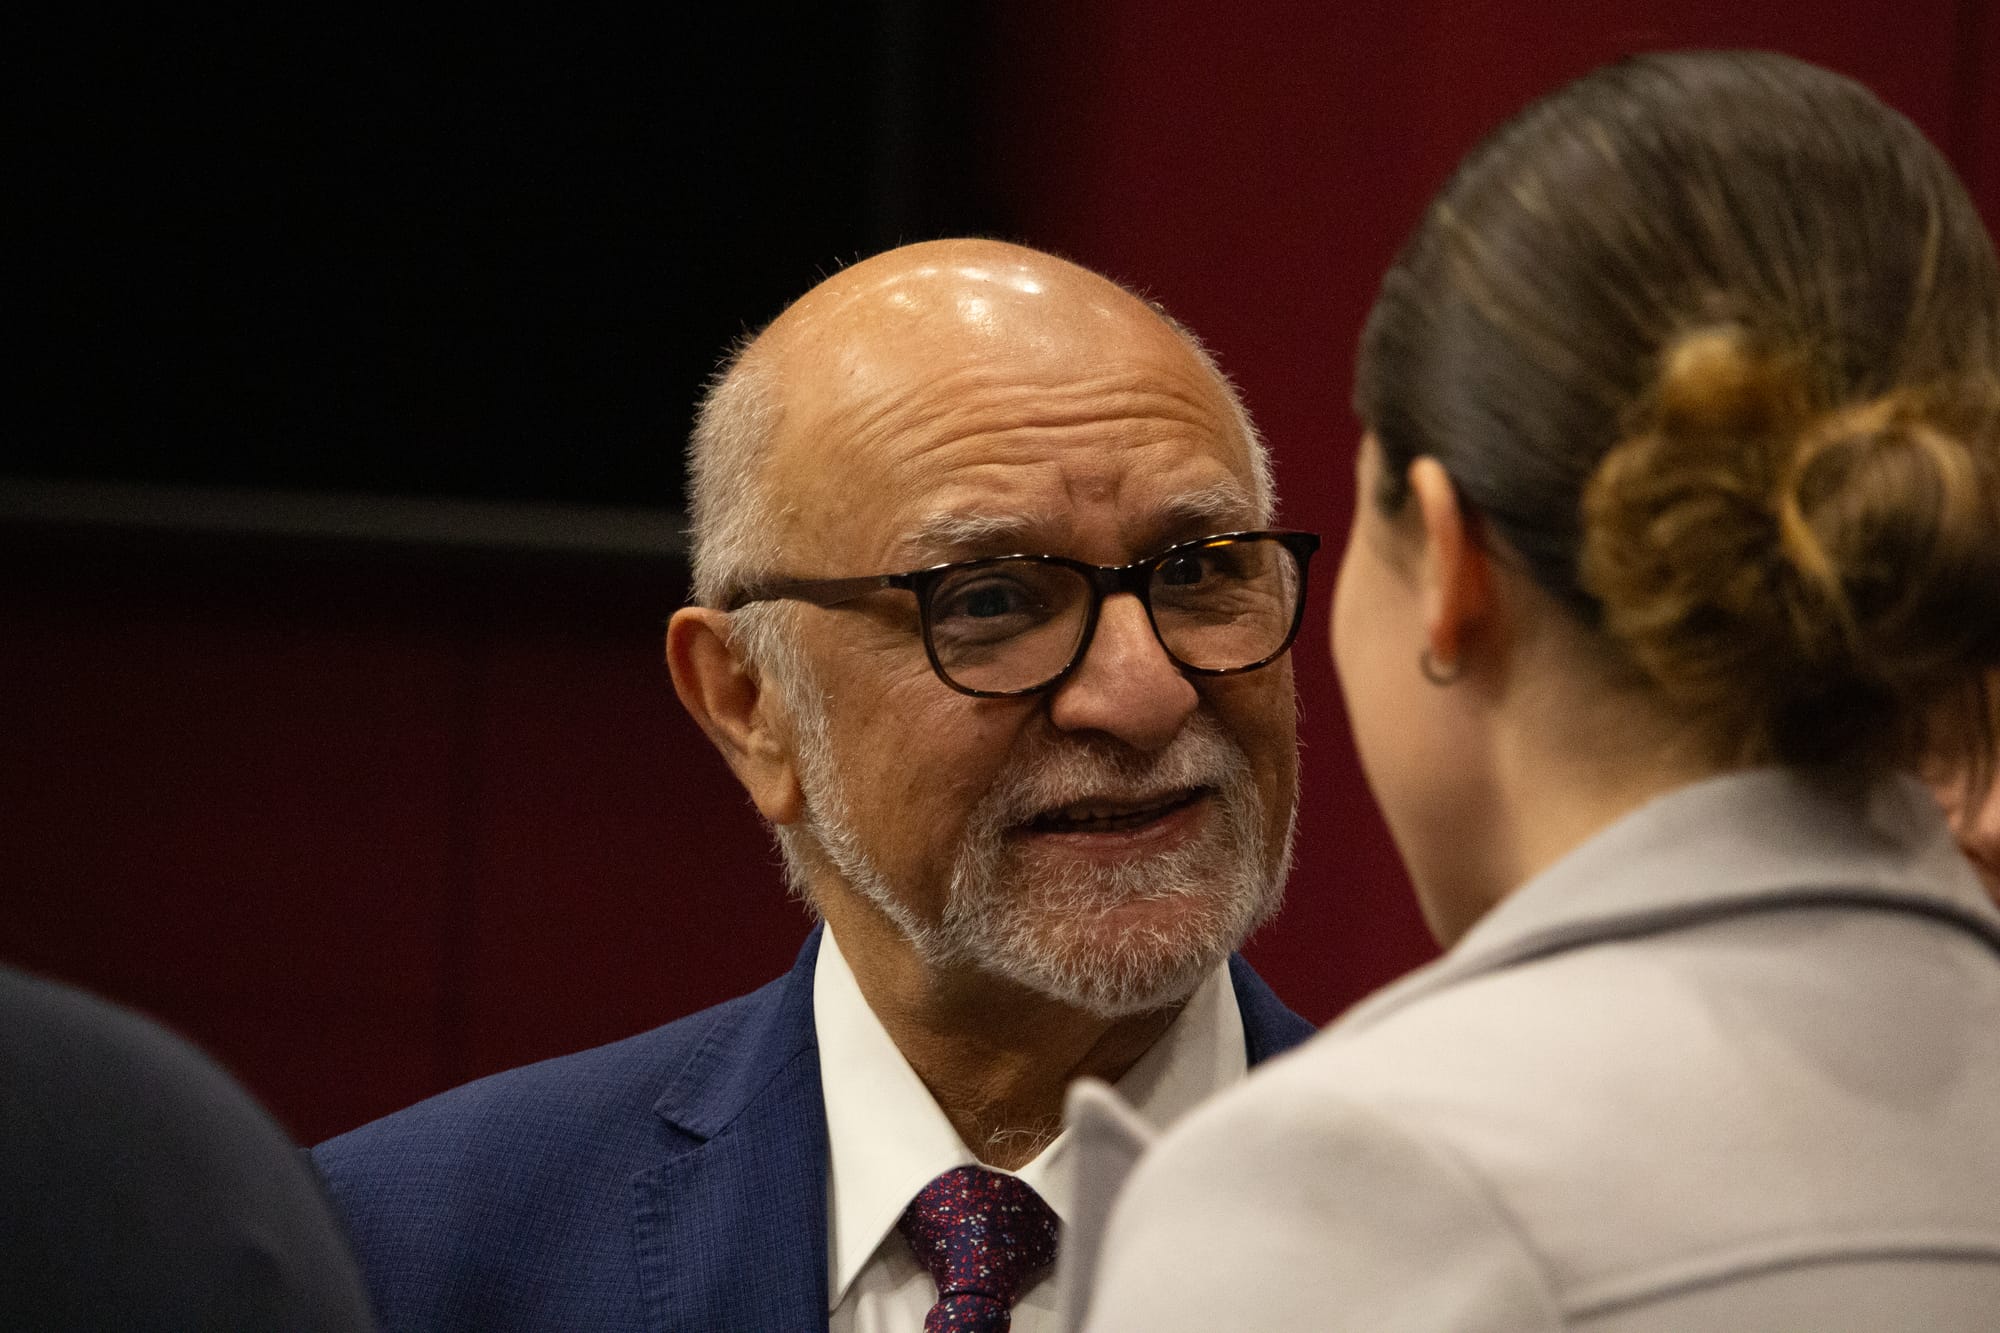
1572	746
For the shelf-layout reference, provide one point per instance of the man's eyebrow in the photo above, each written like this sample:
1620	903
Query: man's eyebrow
947	531
1222	504
1212	508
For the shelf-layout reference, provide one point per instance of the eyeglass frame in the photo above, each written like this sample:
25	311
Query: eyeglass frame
1103	580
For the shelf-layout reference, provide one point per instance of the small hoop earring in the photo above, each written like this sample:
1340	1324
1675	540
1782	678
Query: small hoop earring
1435	674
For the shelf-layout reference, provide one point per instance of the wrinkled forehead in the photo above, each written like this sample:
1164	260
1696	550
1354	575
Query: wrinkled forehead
988	381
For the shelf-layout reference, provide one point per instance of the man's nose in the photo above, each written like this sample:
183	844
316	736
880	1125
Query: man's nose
1126	686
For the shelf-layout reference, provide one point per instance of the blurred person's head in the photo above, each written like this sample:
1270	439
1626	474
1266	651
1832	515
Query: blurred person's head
1683	455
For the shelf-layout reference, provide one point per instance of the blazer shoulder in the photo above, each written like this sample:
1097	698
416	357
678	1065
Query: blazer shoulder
1274	1206
510	1199
583	1092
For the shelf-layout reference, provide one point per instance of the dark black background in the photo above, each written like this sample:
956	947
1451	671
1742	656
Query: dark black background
480	254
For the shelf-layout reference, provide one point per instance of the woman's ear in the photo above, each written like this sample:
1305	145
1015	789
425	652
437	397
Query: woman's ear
733	704
1455	573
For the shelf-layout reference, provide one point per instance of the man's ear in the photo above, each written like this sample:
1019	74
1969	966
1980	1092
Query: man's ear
728	698
1456	587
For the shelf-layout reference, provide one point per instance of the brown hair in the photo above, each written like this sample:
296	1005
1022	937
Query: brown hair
1710	341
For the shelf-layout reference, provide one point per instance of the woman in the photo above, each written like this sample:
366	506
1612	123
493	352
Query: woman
1677	547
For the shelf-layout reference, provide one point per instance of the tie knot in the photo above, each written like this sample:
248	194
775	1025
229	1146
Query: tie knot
980	1233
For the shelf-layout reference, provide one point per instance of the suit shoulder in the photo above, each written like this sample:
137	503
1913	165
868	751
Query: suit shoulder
508	1201
617	1081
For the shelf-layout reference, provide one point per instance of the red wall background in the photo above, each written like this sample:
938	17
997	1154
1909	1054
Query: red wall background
367	822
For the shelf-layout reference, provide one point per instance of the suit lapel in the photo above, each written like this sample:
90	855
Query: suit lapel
1269	1028
731	1231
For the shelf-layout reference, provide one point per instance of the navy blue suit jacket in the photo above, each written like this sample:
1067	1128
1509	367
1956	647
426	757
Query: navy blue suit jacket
675	1180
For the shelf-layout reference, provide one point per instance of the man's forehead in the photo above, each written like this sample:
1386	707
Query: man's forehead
991	528
971	395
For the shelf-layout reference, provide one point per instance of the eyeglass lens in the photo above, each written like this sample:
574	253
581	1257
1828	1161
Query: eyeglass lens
1007	625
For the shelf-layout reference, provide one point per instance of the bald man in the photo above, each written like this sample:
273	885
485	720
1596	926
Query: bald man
990	622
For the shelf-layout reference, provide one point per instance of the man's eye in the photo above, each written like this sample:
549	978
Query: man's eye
1183	570
986	600
1207	564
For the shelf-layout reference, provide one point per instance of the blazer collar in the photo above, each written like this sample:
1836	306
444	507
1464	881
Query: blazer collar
1269	1028
741	1056
1760	840
731	1230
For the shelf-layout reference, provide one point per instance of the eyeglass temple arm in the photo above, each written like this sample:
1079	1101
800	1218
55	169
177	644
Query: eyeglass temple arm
820	592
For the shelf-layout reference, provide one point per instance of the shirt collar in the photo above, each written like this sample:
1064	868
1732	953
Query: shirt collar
887	1138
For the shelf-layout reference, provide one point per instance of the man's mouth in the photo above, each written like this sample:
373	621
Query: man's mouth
1113	816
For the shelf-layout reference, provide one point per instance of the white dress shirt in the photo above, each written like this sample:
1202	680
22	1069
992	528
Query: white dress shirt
887	1139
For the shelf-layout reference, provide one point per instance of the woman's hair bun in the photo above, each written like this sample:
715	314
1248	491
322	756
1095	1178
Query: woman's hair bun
1714	383
1808	583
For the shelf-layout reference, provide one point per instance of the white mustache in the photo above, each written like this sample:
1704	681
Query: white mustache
1042	784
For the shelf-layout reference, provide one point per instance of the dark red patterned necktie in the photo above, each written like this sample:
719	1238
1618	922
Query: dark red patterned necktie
983	1236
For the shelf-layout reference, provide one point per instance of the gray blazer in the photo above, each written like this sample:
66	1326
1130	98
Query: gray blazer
1732	1064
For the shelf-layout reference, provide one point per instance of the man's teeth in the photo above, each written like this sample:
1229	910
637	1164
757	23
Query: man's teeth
1108	818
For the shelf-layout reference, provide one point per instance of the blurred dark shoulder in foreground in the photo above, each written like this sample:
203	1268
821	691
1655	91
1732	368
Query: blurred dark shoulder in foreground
141	1188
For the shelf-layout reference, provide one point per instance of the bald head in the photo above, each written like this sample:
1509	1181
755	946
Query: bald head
948	306
868	357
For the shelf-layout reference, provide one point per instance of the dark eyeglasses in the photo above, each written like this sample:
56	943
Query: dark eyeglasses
1015	624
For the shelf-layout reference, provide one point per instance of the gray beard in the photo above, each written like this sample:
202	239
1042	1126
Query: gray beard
1039	925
